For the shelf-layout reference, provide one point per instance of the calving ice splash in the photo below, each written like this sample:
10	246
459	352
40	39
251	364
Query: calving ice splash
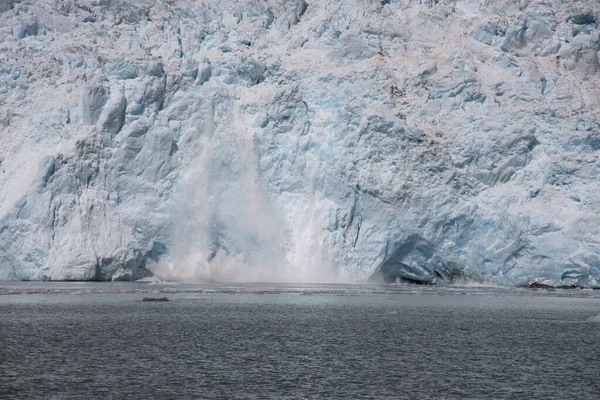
292	140
226	227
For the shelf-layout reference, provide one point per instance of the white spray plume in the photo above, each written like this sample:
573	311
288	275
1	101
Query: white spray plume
227	229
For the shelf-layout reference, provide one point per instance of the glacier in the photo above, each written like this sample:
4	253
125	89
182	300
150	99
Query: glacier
297	140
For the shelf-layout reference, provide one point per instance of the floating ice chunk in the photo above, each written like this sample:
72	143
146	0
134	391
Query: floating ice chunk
594	319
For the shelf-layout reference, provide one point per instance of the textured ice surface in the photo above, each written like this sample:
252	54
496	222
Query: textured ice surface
300	140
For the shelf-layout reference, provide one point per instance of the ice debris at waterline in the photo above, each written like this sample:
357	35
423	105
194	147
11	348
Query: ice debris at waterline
300	140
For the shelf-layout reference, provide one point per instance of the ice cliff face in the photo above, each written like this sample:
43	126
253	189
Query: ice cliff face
300	140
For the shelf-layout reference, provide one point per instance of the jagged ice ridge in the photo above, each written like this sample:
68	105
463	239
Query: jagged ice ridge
300	140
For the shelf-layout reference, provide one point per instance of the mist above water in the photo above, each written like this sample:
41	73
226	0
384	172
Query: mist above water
227	228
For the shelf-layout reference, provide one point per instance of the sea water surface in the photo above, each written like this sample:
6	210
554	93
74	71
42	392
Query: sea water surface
100	340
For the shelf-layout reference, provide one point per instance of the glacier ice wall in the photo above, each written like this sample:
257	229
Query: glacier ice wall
300	140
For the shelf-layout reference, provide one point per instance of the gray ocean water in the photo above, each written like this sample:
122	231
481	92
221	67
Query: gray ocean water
93	340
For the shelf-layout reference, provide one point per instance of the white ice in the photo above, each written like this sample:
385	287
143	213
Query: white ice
300	140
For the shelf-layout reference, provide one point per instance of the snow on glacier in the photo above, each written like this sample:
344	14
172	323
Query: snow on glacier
295	140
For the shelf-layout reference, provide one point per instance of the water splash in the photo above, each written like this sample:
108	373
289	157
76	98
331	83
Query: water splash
228	228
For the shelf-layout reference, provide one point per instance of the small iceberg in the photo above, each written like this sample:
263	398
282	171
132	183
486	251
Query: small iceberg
155	299
594	319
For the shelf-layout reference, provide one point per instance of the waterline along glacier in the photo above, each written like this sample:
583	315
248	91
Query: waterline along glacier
300	140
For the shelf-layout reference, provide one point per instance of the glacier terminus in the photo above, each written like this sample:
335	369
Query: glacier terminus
300	140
